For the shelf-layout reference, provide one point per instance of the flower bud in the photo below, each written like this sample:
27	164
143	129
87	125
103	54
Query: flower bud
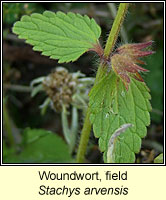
124	61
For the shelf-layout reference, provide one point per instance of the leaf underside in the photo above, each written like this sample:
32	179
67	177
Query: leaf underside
111	106
61	36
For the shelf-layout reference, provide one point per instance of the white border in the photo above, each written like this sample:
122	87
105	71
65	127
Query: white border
76	164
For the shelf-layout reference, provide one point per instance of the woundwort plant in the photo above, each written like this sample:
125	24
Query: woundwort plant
119	98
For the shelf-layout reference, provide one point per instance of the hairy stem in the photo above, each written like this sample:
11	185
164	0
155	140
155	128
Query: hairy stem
85	133
100	73
113	10
115	29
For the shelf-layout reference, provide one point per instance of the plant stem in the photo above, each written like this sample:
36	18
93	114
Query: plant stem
115	29
113	11
100	73
85	133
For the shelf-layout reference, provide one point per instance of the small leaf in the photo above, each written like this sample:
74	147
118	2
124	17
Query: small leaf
111	106
41	146
159	159
61	36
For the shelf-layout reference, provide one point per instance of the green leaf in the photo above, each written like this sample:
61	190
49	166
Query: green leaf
41	146
61	36
159	159
111	106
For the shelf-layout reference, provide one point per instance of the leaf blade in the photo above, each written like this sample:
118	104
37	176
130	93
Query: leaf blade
61	36
111	106
41	146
